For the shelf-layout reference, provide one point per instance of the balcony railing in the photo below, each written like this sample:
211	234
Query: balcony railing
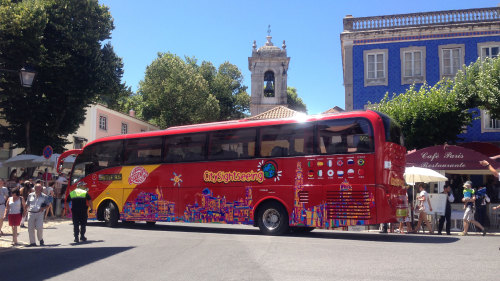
422	19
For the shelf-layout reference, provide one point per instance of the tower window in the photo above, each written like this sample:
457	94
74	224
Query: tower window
269	84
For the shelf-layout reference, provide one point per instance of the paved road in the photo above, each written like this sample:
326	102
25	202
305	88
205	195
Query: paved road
221	252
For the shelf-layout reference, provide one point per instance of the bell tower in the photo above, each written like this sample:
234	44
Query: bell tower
269	67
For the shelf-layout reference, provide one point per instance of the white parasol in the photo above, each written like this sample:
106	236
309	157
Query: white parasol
21	161
417	174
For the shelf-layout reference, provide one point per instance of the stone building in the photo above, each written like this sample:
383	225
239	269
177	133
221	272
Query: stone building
389	53
269	66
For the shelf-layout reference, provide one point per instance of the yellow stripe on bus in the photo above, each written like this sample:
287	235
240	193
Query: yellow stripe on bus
118	191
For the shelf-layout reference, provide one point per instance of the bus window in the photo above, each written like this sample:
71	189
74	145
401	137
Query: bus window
185	148
142	151
286	140
343	136
97	157
392	130
232	144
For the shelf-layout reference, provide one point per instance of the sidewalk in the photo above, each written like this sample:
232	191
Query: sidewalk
6	239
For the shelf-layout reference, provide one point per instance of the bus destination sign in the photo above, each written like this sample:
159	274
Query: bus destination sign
110	177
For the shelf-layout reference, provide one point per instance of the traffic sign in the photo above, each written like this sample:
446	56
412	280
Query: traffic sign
47	151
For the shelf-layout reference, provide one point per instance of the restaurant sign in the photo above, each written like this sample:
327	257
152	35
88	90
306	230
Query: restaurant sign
446	157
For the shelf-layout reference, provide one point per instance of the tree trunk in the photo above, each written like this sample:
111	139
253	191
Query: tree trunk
28	144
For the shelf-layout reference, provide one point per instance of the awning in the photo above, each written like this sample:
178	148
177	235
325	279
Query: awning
485	148
450	158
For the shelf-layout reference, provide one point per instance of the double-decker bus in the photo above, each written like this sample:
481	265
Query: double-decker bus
324	171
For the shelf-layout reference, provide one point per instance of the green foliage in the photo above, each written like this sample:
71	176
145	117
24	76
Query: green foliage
478	85
178	92
428	115
62	40
293	100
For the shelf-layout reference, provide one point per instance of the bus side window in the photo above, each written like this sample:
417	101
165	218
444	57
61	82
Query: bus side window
341	136
185	148
232	144
142	151
287	140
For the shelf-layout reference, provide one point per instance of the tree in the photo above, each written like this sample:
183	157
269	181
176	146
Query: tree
179	92
293	100
478	85
62	40
428	116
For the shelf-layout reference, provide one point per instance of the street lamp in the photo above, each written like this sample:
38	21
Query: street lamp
26	75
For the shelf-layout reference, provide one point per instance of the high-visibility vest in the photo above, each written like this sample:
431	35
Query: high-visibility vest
78	193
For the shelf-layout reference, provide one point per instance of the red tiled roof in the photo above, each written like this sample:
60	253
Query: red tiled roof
276	113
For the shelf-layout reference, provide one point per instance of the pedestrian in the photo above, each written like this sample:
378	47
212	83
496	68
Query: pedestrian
12	181
80	202
482	200
4	194
47	177
493	171
49	191
469	198
36	205
14	211
447	213
424	206
25	191
406	220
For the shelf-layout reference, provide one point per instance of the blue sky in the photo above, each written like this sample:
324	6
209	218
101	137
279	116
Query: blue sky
224	30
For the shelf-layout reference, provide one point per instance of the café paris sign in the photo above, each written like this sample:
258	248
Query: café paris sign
445	157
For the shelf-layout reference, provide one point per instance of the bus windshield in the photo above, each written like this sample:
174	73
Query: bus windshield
95	158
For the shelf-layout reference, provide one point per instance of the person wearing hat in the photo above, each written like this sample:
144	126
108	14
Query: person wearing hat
469	198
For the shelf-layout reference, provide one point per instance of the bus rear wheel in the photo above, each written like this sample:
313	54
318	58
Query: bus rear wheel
150	223
111	215
272	219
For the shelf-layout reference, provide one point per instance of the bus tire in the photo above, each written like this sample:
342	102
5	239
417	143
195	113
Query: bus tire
150	223
272	219
111	215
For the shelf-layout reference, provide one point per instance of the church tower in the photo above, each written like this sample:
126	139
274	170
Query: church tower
269	66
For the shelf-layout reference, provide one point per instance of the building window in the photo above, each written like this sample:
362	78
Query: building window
488	50
490	124
375	62
103	123
79	142
451	58
412	65
124	128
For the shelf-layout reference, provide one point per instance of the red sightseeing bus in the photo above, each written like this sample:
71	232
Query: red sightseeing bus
324	171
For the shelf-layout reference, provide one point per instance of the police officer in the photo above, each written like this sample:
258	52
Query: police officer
79	199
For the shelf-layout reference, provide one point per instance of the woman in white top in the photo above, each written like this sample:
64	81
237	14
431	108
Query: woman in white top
424	205
14	212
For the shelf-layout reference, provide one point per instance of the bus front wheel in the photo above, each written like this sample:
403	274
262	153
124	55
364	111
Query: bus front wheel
273	219
111	215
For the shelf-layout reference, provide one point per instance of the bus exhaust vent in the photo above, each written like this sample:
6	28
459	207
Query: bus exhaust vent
348	205
303	196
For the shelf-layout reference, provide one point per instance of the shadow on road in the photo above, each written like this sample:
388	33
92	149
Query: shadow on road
362	236
43	263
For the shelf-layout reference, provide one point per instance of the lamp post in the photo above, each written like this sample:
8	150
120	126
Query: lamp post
26	75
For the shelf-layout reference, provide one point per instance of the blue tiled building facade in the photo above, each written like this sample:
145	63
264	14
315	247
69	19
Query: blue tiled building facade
389	53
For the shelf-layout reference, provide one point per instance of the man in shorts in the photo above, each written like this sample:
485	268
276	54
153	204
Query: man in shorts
469	198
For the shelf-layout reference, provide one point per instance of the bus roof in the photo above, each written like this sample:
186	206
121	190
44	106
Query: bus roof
236	124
